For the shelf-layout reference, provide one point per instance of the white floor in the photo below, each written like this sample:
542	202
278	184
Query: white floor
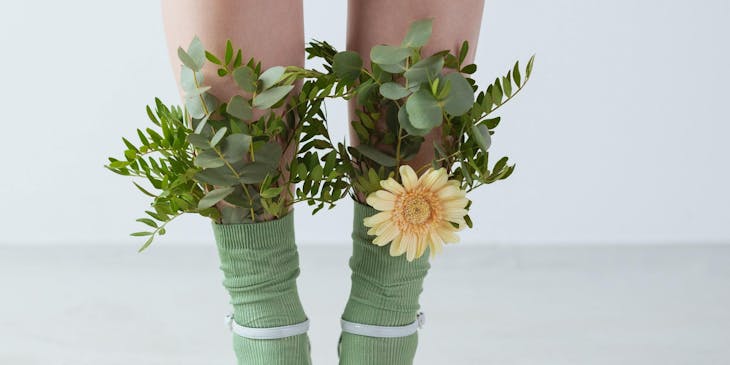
485	305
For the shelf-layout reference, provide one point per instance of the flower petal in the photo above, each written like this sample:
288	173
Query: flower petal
376	219
408	240
393	186
378	203
409	177
433	179
395	245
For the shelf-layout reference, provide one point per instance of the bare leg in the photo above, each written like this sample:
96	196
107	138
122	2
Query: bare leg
373	22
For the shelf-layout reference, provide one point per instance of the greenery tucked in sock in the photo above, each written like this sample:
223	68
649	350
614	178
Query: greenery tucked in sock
384	292
260	264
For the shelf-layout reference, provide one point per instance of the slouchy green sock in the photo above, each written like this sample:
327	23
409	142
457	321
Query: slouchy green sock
260	264
384	292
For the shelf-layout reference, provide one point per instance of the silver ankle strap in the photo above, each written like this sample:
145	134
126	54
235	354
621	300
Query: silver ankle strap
384	331
270	333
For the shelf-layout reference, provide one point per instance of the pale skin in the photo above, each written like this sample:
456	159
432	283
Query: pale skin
273	32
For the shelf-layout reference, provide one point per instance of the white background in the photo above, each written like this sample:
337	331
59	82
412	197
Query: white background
620	137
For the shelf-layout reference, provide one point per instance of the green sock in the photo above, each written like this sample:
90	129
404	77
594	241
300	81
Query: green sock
384	292
261	264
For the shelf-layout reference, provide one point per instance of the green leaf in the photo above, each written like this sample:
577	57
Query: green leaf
196	51
364	90
461	96
146	244
199	141
480	133
245	79
424	111
271	192
190	80
229	52
507	84
239	108
148	222
497	92
469	69
271	76
516	74
347	66
235	147
143	190
425	70
418	33
394	68
388	55
528	71
254	173
212	58
492	123
141	234
406	124
221	176
393	91
463	51
208	159
270	154
186	59
218	136
214	196
376	155
270	97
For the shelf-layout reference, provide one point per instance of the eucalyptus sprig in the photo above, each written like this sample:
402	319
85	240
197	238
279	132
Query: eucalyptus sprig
403	96
226	159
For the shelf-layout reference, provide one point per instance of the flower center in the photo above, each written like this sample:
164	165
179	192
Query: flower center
416	209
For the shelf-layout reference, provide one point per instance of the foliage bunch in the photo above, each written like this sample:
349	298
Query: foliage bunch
226	159
404	96
234	160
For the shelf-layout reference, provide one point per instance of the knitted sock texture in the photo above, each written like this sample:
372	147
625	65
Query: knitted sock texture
384	292
260	264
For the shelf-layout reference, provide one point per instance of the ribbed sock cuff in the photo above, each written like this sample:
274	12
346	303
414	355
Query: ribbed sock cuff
384	292
260	264
385	289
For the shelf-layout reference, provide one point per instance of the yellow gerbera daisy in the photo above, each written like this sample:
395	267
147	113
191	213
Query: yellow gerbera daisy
417	214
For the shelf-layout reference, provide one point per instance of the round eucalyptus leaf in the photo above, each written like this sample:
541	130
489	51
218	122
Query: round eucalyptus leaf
245	78
188	79
199	141
424	111
418	33
347	66
235	147
393	91
208	159
254	172
271	76
388	55
196	51
396	68
271	97
239	108
406	124
218	136
461	97
425	70
220	176
481	136
214	196
270	154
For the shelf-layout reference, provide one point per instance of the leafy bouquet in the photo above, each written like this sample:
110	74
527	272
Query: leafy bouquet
223	159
